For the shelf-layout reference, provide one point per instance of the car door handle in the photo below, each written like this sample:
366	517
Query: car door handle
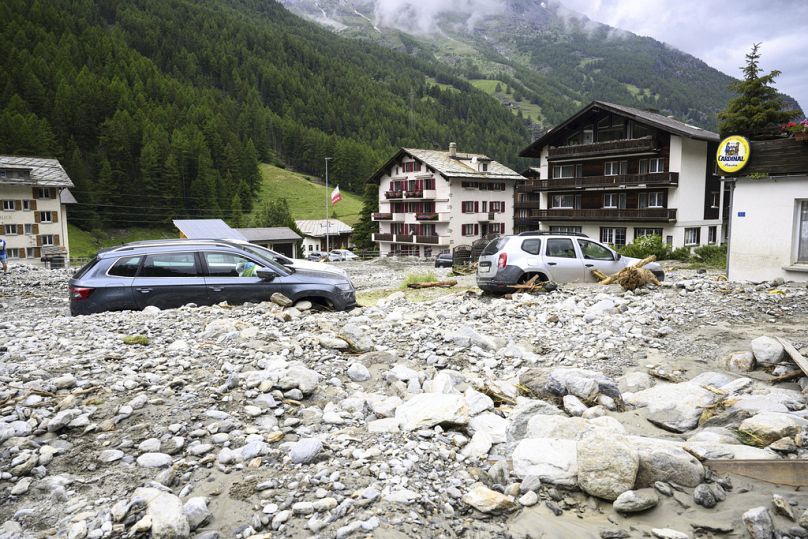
144	290
217	288
588	265
552	263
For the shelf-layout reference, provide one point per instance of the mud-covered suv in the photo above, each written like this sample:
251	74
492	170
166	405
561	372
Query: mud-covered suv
565	258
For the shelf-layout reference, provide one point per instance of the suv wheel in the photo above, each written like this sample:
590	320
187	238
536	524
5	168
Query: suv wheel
528	276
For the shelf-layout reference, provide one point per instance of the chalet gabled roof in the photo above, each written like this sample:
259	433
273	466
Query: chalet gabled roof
271	233
462	165
42	171
316	228
653	119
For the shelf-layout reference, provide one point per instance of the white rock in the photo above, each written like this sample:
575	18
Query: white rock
574	406
358	372
663	460
486	500
675	407
552	460
429	409
607	464
492	424
477	402
154	460
767	350
196	511
767	427
110	455
165	510
479	446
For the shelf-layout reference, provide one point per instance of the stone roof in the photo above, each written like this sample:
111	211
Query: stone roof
272	233
41	171
316	228
653	119
461	165
207	229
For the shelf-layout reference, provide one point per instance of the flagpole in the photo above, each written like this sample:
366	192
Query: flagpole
327	207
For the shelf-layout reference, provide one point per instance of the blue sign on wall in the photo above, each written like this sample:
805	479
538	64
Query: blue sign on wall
741	214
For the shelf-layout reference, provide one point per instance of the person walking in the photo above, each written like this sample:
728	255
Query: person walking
4	256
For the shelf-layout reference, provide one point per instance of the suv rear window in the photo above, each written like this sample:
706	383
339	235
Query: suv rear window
85	268
125	267
560	248
532	246
495	246
170	265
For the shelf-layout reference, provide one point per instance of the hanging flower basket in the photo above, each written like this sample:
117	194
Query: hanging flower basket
798	129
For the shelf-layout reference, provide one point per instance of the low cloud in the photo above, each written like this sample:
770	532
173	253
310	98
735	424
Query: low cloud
419	17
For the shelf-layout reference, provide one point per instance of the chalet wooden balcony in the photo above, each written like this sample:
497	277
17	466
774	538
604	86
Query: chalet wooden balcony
656	179
382	216
613	147
486	217
652	215
526	221
382	237
527	205
393	194
407	238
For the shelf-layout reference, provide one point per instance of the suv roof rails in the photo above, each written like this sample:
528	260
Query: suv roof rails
157	243
548	233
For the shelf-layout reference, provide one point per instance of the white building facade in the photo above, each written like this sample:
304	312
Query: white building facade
431	201
33	194
616	173
769	222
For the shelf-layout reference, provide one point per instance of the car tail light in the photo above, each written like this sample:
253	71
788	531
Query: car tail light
78	293
503	260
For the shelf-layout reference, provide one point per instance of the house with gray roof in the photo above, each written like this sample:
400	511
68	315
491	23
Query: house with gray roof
617	173
431	201
281	239
34	193
322	235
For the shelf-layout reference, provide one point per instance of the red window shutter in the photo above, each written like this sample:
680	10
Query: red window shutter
476	208
476	229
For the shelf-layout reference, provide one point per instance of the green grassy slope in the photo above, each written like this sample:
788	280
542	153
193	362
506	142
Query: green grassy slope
84	244
489	86
306	199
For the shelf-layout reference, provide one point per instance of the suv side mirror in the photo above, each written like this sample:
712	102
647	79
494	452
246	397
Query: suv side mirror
265	274
617	256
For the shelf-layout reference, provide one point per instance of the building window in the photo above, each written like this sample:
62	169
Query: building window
412	166
564	171
30	252
43	192
802	245
46	217
8	205
692	236
656	165
613	236
712	235
498	206
614	200
10	230
469	206
46	239
483	167
654	199
715	199
565	229
641	232
26	205
29	229
496	228
614	168
469	230
563	201
13	252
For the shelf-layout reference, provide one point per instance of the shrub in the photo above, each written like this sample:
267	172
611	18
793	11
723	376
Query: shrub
136	339
682	253
711	255
645	246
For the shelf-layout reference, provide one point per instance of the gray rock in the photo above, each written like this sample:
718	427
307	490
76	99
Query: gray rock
305	450
758	522
584	384
574	406
552	460
634	501
522	413
607	465
668	533
529	483
429	409
110	455
703	495
62	419
662	460
154	460
279	299
358	372
529	498
767	427
767	350
196	511
741	362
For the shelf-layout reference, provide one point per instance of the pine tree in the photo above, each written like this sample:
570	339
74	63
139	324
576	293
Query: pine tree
362	235
758	109
236	216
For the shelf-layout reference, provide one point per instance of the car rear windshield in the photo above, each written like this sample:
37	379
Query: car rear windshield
125	267
495	246
85	268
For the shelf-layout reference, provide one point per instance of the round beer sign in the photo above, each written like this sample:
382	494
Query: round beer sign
733	154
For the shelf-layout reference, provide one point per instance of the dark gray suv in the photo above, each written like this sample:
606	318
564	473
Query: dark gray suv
174	273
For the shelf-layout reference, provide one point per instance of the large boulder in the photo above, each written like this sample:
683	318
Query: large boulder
492	424
584	384
607	464
426	410
674	407
634	501
767	350
521	414
758	522
767	427
570	428
663	460
552	460
166	511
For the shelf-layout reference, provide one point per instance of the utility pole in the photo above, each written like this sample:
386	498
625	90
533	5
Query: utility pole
327	207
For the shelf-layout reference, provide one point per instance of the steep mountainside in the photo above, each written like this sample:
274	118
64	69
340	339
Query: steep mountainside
163	108
547	61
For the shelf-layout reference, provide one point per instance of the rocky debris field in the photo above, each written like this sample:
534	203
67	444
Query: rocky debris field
585	412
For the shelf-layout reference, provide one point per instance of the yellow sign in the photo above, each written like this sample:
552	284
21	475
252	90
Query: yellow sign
733	154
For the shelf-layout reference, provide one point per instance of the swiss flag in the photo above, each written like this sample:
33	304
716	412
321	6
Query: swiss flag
335	196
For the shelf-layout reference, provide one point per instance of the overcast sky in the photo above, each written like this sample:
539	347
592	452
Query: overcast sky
720	32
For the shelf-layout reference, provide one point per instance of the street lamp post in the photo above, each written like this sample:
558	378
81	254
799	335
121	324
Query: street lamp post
327	208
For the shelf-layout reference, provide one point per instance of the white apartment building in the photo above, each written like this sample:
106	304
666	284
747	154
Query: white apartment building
430	201
33	193
769	223
616	173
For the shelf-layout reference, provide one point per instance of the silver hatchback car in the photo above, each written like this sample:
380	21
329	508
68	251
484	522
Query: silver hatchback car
563	258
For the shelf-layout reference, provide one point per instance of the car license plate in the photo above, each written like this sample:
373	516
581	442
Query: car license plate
485	265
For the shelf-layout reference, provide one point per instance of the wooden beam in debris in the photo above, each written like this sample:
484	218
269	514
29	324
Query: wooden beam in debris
795	356
790	472
438	284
